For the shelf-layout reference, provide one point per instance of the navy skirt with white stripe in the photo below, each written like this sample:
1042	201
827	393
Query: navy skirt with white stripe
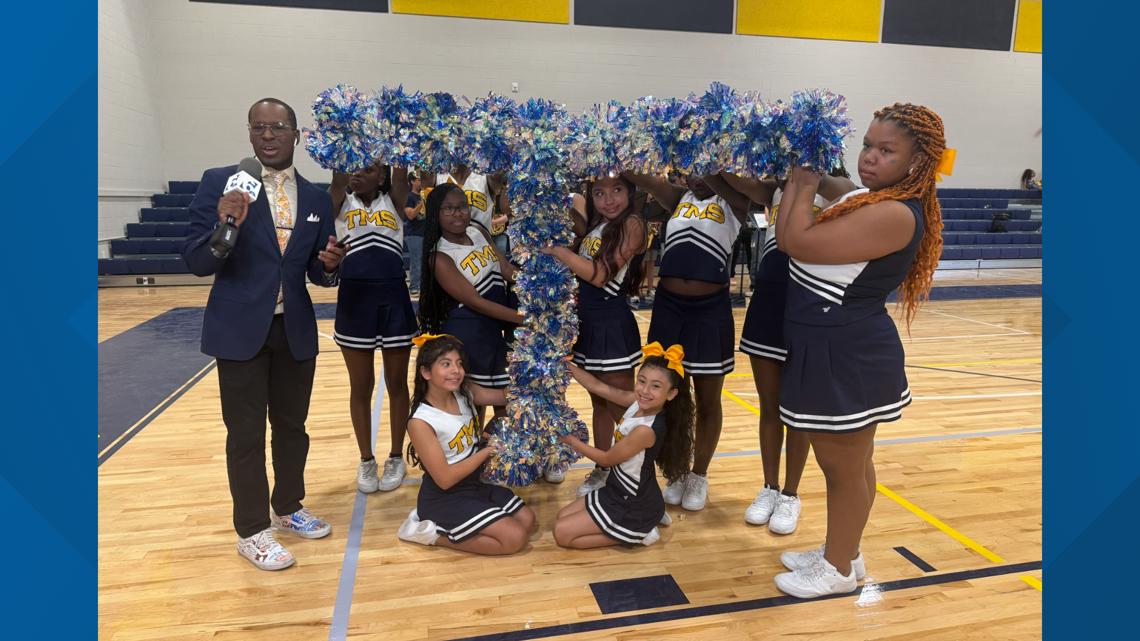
608	338
484	343
623	517
469	506
843	378
702	325
374	314
763	333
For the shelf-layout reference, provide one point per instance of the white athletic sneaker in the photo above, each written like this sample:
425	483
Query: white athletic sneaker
666	520
786	515
761	509
696	492
675	490
651	538
394	473
799	560
414	530
366	480
302	523
554	474
595	480
264	552
820	579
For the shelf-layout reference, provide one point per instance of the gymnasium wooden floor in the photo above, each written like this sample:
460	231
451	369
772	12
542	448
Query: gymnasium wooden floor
960	492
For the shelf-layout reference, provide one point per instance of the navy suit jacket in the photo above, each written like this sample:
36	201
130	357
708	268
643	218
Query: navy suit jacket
244	295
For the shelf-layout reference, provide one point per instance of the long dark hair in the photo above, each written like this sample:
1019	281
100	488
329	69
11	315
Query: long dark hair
428	354
676	452
435	302
613	237
918	184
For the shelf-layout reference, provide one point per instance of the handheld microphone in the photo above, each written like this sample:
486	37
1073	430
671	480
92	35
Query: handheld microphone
246	180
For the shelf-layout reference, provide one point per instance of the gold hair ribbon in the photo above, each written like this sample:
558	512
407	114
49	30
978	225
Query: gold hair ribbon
945	164
672	356
419	341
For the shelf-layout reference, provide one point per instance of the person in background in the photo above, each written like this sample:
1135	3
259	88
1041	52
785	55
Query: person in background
414	232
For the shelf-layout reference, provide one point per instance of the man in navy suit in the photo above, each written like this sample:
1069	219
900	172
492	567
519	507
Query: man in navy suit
261	328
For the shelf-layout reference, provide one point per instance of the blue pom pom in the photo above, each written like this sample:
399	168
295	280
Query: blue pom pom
345	137
486	137
818	129
599	141
440	133
761	148
398	122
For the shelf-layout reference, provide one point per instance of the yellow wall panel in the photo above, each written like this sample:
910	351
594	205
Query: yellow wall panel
556	11
1028	35
821	19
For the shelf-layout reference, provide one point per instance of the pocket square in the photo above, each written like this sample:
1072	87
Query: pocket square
313	218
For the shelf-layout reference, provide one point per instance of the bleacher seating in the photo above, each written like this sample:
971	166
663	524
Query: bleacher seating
152	245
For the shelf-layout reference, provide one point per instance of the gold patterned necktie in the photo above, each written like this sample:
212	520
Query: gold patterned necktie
283	214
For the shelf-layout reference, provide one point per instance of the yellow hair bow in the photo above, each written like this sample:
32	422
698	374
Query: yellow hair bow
419	341
672	356
945	164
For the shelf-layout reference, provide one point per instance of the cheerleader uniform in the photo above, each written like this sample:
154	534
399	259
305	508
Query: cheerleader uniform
763	333
478	196
482	336
608	338
373	308
698	246
470	505
845	361
629	505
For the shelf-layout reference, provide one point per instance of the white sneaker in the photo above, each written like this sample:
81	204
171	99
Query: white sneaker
786	515
674	491
302	523
264	552
414	530
366	480
666	520
820	579
761	509
554	474
595	480
696	492
651	538
799	560
394	473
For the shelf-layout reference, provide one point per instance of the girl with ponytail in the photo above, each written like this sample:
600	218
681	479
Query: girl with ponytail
657	427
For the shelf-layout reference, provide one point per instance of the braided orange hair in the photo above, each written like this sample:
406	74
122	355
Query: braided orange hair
930	141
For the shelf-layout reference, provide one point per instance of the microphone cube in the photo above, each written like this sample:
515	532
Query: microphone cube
241	181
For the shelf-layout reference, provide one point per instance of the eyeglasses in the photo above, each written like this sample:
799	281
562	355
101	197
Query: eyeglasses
279	129
448	210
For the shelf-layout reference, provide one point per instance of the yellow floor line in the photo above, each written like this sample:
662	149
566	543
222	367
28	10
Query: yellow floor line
743	403
1032	581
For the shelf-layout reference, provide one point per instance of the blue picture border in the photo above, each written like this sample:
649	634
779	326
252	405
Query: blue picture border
50	166
1092	157
1091	160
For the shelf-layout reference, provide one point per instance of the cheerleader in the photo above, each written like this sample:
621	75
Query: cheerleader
481	192
844	371
692	306
374	310
656	427
464	288
763	341
609	343
455	508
